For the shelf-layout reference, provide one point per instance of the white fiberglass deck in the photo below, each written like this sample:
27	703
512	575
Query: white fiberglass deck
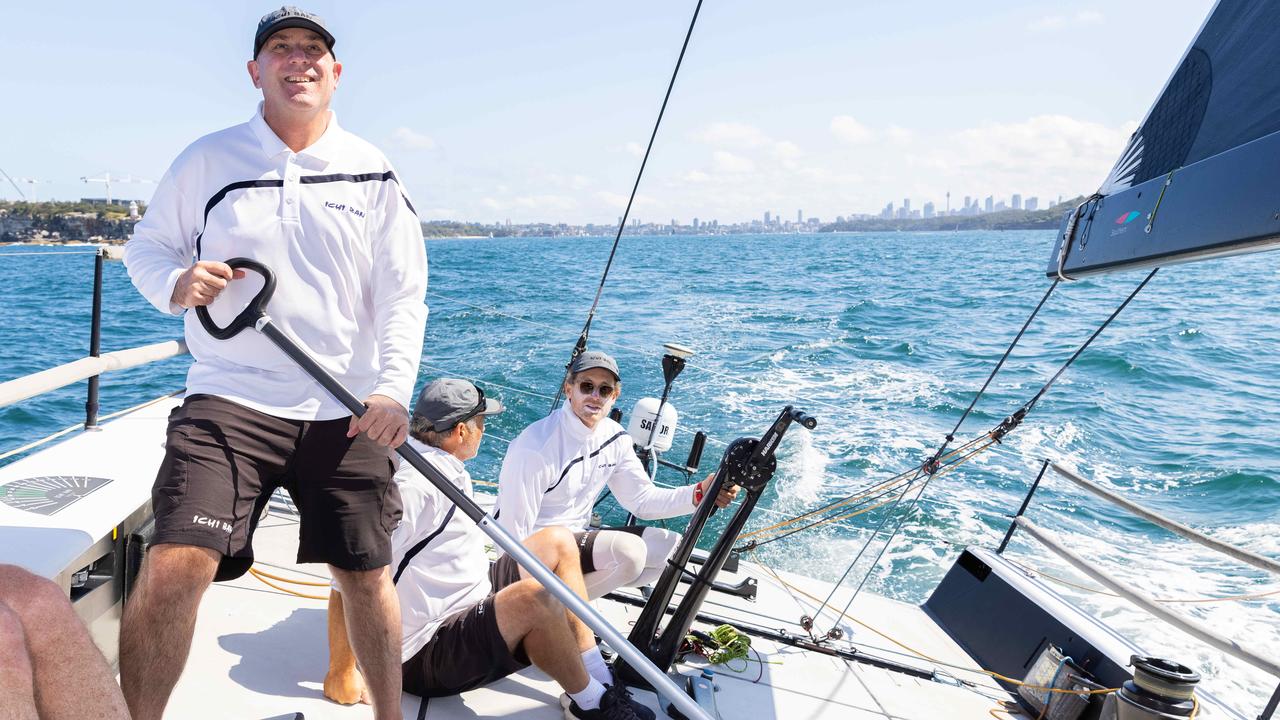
261	653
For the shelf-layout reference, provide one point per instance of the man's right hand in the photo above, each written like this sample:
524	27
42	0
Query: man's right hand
202	282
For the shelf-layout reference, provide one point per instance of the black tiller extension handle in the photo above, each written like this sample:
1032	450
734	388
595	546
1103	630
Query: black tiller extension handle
256	308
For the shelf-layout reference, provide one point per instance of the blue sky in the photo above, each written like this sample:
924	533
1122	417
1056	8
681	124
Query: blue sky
538	111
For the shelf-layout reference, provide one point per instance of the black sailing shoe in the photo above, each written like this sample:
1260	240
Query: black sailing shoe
617	704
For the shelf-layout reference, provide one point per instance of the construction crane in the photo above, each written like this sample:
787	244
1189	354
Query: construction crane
106	179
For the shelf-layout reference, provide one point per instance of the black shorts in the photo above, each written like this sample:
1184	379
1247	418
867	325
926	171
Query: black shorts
223	460
587	542
467	650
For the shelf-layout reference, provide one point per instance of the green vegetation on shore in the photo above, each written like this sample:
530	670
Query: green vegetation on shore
54	221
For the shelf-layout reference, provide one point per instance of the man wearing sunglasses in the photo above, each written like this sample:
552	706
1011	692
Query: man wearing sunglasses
554	471
463	623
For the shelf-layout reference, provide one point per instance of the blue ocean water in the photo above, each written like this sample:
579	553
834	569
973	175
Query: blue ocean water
884	338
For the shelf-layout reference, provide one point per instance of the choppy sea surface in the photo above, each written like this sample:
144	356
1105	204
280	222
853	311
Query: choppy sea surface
884	338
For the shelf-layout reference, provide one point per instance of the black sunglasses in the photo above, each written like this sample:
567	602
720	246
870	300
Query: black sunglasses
586	387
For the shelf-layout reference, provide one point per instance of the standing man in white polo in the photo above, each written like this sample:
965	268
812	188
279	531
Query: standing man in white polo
325	211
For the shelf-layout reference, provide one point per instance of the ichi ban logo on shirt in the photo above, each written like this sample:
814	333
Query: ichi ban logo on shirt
343	207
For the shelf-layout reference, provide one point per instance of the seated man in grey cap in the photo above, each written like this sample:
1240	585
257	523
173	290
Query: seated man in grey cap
556	468
463	623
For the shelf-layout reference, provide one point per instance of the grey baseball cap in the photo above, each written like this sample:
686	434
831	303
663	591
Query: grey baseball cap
448	401
290	17
595	359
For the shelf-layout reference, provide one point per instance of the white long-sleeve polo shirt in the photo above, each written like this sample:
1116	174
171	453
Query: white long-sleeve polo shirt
438	560
556	467
334	225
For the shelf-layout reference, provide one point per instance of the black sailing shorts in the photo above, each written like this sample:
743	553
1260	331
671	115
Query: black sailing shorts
467	650
223	460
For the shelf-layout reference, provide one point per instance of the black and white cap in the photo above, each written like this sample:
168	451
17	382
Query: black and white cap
289	17
449	401
595	359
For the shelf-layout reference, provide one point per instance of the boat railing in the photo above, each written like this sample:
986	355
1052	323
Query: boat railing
96	363
1125	590
38	383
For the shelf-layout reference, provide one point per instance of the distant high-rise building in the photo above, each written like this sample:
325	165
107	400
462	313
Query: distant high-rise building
1033	204
1001	206
799	217
990	203
948	202
767	217
928	209
1017	201
674	223
887	212
906	204
695	223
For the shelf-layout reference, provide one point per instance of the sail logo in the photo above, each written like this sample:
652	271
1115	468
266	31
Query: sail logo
1128	217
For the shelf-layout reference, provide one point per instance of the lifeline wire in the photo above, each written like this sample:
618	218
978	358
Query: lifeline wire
586	328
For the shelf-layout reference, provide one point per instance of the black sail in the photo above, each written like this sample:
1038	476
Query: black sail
1200	177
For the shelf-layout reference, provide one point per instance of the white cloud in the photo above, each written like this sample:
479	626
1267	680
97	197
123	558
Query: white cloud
726	162
899	135
547	204
491	203
439	214
732	134
1059	22
848	130
407	139
618	201
633	148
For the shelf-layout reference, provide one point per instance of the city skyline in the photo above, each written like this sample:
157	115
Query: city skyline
495	115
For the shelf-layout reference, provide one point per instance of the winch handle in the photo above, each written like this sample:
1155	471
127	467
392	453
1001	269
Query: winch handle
254	310
808	421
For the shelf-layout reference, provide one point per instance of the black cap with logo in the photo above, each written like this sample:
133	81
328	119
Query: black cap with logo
289	17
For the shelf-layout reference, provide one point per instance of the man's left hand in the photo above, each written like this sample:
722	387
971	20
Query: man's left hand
385	421
727	493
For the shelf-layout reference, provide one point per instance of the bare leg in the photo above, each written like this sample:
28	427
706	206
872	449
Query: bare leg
17	683
528	614
159	620
372	612
557	549
343	683
69	673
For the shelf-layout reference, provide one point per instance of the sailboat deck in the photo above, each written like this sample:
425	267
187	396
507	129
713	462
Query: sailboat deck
261	653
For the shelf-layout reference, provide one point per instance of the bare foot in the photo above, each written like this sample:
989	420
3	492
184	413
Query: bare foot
346	688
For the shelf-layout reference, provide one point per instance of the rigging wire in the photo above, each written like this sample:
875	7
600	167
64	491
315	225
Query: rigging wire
581	345
951	435
930	468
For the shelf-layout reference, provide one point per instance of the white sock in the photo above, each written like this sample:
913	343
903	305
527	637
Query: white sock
593	661
588	698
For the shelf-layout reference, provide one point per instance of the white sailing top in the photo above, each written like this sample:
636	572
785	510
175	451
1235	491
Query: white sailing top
437	553
334	225
556	468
